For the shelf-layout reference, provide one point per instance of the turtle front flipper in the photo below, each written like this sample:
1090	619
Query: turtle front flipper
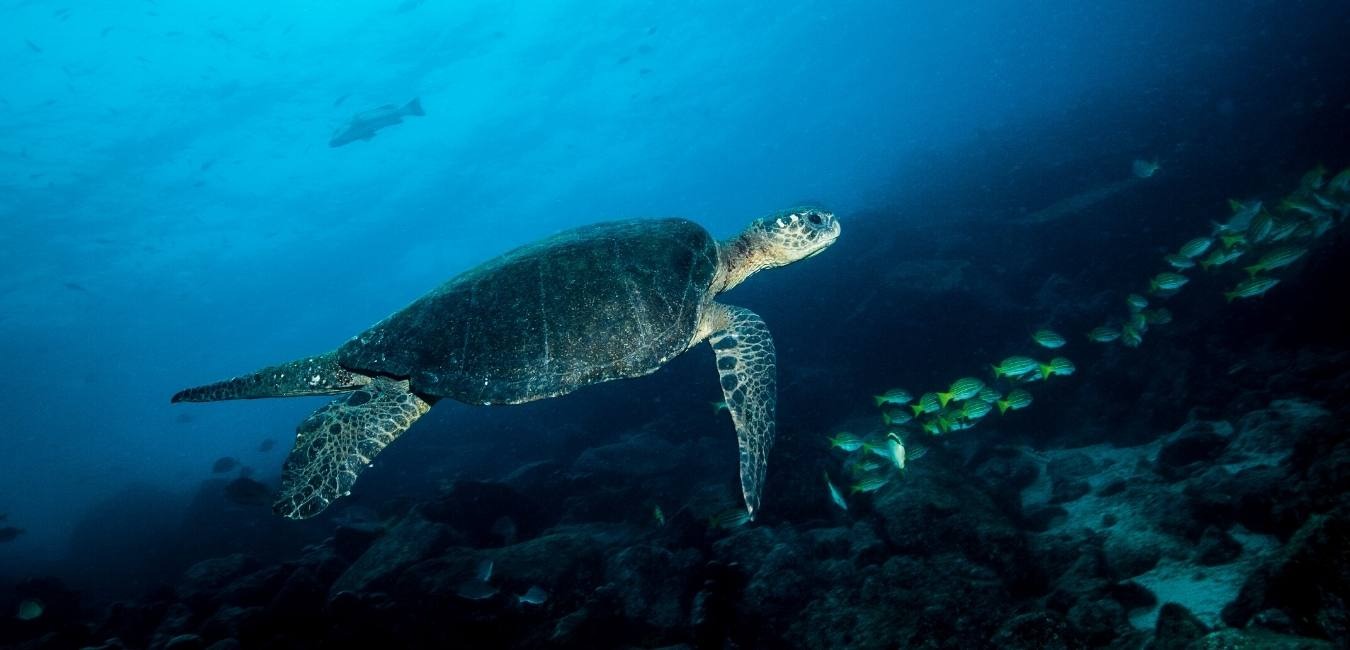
749	376
338	441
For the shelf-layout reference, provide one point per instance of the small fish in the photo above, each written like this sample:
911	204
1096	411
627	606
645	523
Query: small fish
1139	322
1233	240
1017	399
1130	337
1167	282
484	573
30	609
1103	334
267	445
835	495
1260	227
1159	316
1015	367
33	46
864	466
658	515
1304	206
1314	179
869	484
897	417
1058	366
1340	184
9	533
975	409
1284	229
475	590
1251	288
1196	247
718	407
1048	338
989	394
1220	257
1278	258
846	441
365	125
533	596
224	464
1136	301
734	517
895	447
877	448
1145	168
931	426
1242	217
960	390
896	396
1179	262
928	403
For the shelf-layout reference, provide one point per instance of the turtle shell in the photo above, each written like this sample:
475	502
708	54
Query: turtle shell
600	302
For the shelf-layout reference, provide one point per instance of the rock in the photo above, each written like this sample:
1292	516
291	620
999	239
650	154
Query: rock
650	582
1065	490
1039	519
225	644
1307	579
233	622
1076	465
411	540
1275	430
638	455
1098	620
1177	627
1037	631
257	588
486	514
203	580
177	621
1132	552
1256	639
1008	471
1195	443
1216	547
350	541
185	642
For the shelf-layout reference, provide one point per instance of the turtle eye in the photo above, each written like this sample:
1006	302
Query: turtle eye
814	218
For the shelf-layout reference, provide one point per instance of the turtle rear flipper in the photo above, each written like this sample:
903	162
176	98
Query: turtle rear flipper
320	375
747	369
338	441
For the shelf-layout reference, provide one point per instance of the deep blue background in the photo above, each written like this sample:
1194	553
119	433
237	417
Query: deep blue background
172	213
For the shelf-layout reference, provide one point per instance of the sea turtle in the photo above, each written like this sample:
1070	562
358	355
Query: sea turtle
599	302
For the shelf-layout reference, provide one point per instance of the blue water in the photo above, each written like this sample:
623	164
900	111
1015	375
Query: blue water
171	213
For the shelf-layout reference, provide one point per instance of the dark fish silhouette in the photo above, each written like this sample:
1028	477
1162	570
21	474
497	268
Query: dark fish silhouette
9	533
267	445
33	46
366	124
245	491
223	465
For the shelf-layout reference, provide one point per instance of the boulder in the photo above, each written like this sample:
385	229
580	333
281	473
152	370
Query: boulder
1176	628
411	540
1307	579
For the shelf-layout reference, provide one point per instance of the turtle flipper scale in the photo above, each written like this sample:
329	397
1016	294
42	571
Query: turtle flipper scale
338	441
747	370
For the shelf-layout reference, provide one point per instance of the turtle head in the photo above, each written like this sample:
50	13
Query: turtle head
777	240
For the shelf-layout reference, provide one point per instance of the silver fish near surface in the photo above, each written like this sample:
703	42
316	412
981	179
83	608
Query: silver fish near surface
366	124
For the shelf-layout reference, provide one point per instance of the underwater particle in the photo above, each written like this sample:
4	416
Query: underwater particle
896	396
1167	281
1221	257
1144	168
1058	366
976	409
1196	247
1017	400
533	596
960	390
733	517
989	394
1048	338
847	441
1136	301
718	407
1015	367
30	609
928	403
1159	316
1278	258
1251	288
869	484
224	464
1103	334
897	416
1179	262
364	125
835	496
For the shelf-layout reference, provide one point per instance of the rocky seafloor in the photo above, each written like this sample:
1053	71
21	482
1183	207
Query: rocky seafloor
1228	532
